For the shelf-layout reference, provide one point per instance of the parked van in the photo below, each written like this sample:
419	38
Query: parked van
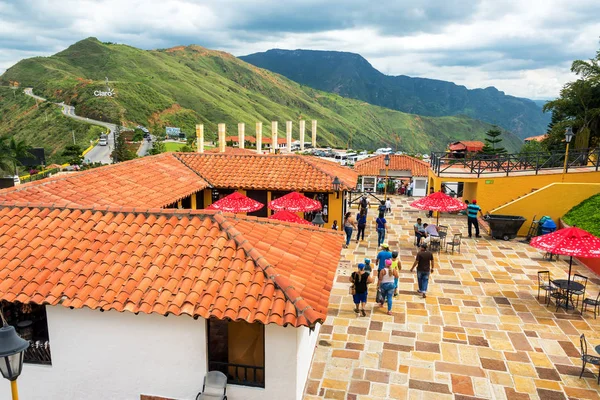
103	140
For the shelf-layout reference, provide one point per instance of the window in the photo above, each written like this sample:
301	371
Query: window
237	349
31	324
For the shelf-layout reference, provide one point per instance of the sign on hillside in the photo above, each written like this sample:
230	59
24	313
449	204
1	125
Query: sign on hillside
171	131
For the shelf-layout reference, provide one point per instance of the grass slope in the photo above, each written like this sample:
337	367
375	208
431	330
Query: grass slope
41	126
586	215
183	86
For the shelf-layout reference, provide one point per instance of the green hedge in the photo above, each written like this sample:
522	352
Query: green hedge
586	215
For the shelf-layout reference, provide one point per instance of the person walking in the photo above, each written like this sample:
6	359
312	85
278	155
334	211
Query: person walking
397	266
362	224
385	285
388	206
381	229
364	204
349	225
472	210
424	263
381	207
384	254
360	279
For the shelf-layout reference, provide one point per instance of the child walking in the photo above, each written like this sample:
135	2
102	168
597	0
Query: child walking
396	266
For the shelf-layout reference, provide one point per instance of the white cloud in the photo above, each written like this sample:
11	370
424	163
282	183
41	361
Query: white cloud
524	48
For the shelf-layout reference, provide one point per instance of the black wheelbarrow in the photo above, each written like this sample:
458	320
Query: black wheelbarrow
504	226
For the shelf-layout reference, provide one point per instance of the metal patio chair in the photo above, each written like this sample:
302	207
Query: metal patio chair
456	240
214	387
587	358
582	280
588	301
545	284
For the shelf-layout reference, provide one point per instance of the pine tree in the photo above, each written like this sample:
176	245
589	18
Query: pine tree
121	152
492	142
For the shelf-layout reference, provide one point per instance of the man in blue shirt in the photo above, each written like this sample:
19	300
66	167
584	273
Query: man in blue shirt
472	210
384	254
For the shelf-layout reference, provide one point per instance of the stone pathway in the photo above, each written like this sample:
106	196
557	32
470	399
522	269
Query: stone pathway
480	333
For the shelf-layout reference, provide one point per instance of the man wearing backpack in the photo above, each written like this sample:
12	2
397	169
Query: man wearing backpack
364	204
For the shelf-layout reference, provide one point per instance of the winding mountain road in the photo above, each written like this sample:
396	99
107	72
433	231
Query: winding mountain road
98	153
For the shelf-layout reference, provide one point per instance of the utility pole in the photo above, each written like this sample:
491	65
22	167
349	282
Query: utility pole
73	132
115	156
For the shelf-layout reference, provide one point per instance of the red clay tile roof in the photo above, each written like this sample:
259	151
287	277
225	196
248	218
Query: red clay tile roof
155	181
466	145
373	166
181	262
272	172
236	139
538	138
231	150
252	139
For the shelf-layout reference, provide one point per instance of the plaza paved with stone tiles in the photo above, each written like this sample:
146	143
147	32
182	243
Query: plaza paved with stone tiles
481	333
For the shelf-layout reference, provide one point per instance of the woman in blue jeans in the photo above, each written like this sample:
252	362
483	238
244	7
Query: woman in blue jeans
386	284
349	225
381	229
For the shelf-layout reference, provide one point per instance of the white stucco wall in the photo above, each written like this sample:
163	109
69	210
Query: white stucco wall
306	342
420	187
114	355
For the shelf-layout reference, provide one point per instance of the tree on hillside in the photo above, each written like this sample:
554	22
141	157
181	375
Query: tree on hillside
10	152
158	146
533	147
492	142
578	106
72	154
121	152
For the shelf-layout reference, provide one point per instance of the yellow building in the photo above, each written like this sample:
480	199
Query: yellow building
504	179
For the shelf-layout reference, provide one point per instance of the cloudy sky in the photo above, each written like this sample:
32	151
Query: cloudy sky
523	47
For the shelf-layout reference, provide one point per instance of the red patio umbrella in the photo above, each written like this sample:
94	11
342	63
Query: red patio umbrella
285	215
439	201
294	202
572	242
236	203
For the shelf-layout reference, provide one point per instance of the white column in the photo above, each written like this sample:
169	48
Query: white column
273	136
259	137
200	138
288	133
302	129
221	130
314	133
241	134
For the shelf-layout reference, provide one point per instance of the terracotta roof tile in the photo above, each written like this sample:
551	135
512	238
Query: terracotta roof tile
230	266
147	182
273	172
230	150
373	166
468	145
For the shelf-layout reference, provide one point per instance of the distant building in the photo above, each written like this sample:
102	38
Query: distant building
459	149
372	169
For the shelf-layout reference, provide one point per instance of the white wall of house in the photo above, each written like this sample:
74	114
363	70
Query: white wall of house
420	186
114	355
306	342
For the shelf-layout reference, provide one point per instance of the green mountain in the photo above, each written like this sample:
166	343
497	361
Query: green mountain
184	86
350	75
42	125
